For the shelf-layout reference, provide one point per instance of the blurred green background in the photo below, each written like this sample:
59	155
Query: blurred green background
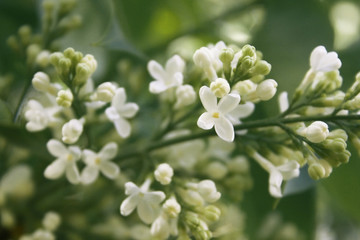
285	31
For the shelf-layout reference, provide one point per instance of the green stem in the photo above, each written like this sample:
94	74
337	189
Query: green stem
246	125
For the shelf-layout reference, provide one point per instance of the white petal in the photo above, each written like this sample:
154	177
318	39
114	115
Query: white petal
330	62
147	211
89	157
242	111
122	127
205	121
156	70
155	197
108	151
283	101
112	114
157	87
56	148
275	181
208	99
109	169
89	174
229	103
129	204
129	110
72	173
289	170
131	188
55	169
224	129
175	64
119	99
316	55
178	79
36	126
75	152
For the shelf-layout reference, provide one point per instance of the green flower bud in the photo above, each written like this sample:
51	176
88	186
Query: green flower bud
212	213
316	171
25	34
69	23
83	72
245	87
226	56
105	91
327	167
338	133
64	98
69	53
337	144
220	87
32	51
332	100
248	50
261	68
43	58
65	6
64	66
55	58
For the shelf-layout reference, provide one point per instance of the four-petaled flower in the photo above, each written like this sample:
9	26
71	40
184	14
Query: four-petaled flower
119	111
39	117
166	78
96	162
65	162
147	203
323	61
216	114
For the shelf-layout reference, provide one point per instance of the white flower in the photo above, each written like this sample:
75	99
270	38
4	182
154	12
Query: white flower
39	117
65	162
72	130
241	111
216	114
316	132
96	162
17	182
147	203
185	95
51	221
164	173
163	226
207	190
166	78
119	111
285	171
322	61
266	89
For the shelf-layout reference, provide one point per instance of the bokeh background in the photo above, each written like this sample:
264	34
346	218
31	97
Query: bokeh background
133	31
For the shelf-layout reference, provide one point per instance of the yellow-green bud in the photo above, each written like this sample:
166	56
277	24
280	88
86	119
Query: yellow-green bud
192	220
64	98
261	68
172	208
43	58
247	63
337	144
66	6
48	6
332	100
317	132
216	170
338	133
327	167
69	53
32	51
248	50
82	74
212	213
105	92
64	66
25	34
316	171
12	41
220	87
55	58
245	87
70	22
226	56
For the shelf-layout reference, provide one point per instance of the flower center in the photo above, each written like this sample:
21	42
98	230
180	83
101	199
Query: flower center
216	115
98	160
69	157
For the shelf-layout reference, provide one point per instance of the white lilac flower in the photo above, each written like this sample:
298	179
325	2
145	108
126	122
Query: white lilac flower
164	173
65	162
185	95
96	162
216	113
316	132
163	227
119	111
72	130
39	117
17	182
279	173
166	78
147	203
207	190
323	61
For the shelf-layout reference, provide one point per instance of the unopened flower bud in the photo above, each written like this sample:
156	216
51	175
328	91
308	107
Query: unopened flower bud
266	89
105	92
72	130
226	56
327	167
43	58
51	221
172	208
164	173
316	171
317	132
64	66
216	170
64	98
41	81
185	95
239	165
25	34
43	235
207	190
70	22
69	53
212	213
245	87
220	87
32	51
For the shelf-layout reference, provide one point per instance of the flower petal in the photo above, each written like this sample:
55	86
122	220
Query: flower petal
72	173
56	148
241	111
131	188
129	204
112	114
109	169
108	151
208	99
283	101
289	170
157	87
75	152
175	64
122	127
156	70
89	174
229	103
330	62
316	55
275	181
89	157
224	129
155	197
129	110
119	99
205	121
55	169
147	211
